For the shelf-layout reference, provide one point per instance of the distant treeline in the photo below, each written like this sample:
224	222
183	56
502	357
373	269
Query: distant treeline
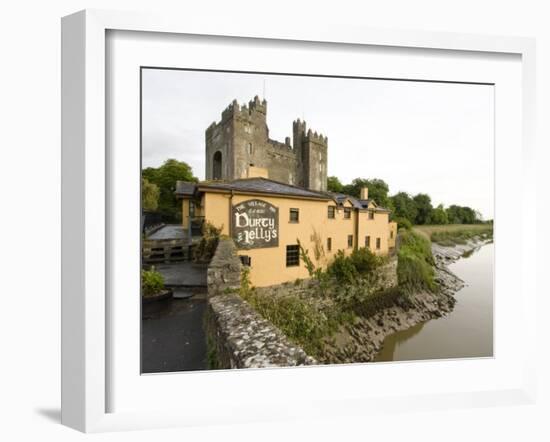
159	183
406	208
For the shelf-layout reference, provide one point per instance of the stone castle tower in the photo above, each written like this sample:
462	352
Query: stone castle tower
239	147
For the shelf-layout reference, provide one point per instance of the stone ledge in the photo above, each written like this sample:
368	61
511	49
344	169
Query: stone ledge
243	339
224	270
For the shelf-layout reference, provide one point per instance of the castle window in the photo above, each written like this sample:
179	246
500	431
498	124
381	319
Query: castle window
377	243
329	244
371	214
367	241
331	212
250	148
391	234
292	256
217	166
294	215
347	212
350	241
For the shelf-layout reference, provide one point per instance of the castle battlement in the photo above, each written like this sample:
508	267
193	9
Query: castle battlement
244	143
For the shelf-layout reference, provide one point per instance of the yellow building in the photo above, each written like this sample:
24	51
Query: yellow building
266	219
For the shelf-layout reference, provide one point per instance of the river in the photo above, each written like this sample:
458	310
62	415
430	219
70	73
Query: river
467	332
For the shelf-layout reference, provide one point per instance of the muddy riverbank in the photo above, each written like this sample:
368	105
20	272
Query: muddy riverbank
363	340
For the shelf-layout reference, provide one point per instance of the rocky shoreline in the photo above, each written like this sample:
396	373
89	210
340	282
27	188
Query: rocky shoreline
363	340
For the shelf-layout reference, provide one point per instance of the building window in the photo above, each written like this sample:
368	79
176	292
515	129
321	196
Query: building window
292	256
377	243
371	214
294	215
250	148
245	260
331	212
350	241
191	209
347	212
391	234
367	241
329	244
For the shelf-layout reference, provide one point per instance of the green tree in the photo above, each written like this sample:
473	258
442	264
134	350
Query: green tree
462	215
404	206
423	208
439	215
149	195
334	184
378	190
165	178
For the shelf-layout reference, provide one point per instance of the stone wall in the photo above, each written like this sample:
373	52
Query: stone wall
224	270
238	337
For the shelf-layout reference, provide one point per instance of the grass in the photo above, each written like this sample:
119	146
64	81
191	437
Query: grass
304	321
452	234
415	263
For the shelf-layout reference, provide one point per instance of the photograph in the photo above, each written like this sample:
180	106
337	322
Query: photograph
305	219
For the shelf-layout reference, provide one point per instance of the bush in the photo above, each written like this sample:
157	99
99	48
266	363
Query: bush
303	321
342	269
415	263
403	223
365	261
209	242
152	282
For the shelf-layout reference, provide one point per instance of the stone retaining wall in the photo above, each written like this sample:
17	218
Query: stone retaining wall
224	270
238	337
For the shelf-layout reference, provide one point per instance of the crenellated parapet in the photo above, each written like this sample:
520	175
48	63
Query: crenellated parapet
241	140
317	138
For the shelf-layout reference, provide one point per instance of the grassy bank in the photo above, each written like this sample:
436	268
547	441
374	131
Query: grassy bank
309	312
415	263
453	234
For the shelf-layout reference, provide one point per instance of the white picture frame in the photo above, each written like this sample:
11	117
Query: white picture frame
86	356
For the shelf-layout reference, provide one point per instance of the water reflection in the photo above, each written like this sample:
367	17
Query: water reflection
466	332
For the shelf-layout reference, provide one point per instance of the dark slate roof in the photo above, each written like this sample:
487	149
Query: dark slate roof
184	188
341	198
264	185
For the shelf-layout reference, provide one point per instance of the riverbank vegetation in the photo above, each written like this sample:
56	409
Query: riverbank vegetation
415	263
309	312
451	235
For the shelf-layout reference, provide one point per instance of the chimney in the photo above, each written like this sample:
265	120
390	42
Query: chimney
364	193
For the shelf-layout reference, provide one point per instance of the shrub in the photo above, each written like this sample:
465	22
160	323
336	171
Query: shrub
209	242
152	282
303	321
403	223
365	261
342	269
415	263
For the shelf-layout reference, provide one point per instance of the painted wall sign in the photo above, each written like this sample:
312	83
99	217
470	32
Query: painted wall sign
255	224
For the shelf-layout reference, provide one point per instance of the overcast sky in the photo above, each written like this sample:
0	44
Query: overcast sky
432	138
